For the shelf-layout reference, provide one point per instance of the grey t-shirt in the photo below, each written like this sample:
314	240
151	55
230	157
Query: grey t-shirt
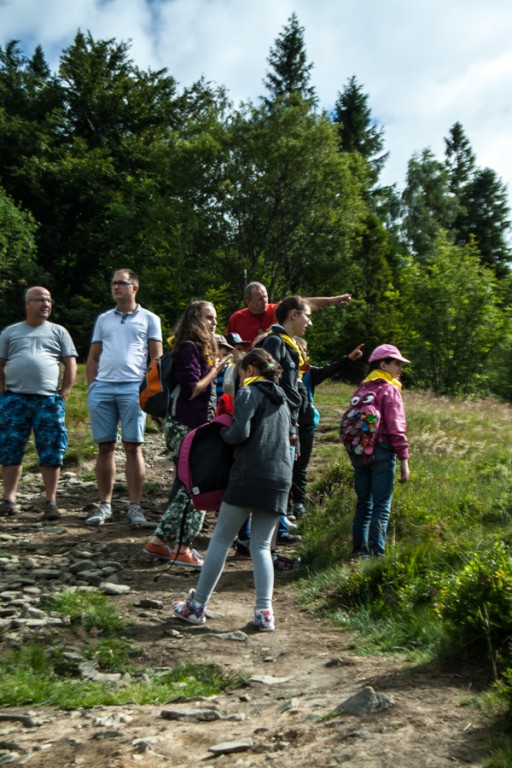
33	356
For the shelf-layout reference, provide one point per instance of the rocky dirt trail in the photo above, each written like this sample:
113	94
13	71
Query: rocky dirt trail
299	674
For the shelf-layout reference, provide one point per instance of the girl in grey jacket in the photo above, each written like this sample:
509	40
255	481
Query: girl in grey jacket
259	484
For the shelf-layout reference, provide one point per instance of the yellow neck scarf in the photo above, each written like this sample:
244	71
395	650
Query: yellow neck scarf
290	342
379	374
251	379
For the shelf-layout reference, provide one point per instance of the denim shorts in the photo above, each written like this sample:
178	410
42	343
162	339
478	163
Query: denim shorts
111	403
45	415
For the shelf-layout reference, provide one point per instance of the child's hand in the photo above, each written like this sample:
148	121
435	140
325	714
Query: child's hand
356	353
404	471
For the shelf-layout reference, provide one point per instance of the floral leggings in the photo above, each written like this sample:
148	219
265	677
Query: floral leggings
181	522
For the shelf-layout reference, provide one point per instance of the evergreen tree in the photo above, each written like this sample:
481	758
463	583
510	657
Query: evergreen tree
374	311
482	205
290	73
359	133
486	218
428	203
357	129
30	116
107	98
460	159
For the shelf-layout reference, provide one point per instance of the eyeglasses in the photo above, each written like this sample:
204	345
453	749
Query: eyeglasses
122	282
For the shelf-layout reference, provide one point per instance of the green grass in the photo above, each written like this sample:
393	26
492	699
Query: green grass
93	609
31	675
48	674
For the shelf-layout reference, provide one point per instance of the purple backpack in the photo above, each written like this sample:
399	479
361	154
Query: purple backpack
204	463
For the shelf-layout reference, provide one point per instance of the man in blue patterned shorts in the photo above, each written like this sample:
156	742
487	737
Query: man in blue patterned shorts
30	399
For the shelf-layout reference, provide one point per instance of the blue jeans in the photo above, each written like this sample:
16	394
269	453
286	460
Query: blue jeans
374	489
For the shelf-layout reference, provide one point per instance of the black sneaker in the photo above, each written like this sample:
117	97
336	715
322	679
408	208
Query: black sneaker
242	549
282	563
50	511
283	537
8	508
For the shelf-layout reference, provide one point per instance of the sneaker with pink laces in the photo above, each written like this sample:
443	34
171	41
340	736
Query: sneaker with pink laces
189	610
158	551
189	558
264	620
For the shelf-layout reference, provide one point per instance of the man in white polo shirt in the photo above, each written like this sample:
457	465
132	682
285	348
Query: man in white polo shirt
122	339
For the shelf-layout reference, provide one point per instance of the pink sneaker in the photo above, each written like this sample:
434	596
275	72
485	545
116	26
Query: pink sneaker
264	620
189	610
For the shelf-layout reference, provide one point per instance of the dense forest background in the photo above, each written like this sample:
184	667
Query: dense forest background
103	165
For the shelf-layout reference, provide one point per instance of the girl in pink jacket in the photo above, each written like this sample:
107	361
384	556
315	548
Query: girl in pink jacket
374	474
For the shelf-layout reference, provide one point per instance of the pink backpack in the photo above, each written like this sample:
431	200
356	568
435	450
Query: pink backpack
204	463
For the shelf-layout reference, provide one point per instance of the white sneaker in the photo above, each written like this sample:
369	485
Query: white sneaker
136	515
98	518
264	620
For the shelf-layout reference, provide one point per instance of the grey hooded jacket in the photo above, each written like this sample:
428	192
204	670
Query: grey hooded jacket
261	475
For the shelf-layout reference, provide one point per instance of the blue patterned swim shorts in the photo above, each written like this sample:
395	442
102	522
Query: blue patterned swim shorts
45	415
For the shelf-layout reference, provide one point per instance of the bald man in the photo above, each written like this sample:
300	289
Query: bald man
31	355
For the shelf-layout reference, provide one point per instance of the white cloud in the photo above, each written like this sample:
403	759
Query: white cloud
424	65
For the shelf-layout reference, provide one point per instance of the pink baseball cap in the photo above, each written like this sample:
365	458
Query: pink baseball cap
387	350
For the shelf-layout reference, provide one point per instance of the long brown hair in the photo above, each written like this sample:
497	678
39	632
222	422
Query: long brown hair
191	327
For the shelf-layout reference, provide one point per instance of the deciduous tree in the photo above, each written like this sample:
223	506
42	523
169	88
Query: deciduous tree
454	321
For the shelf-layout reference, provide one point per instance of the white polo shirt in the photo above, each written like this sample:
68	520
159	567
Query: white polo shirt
124	340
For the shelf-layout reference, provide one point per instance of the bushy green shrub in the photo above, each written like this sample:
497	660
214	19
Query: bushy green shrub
475	606
388	601
409	578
